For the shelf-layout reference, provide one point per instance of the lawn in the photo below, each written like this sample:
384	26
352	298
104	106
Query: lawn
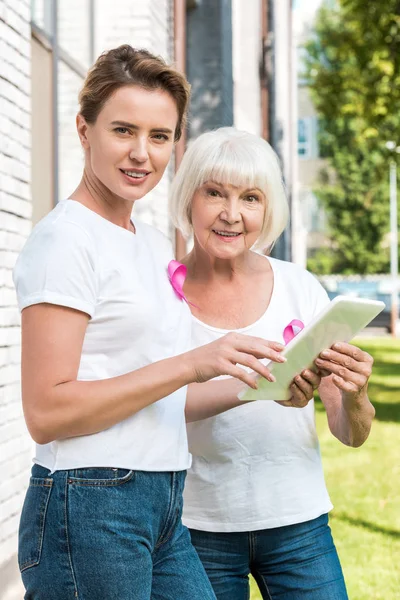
364	485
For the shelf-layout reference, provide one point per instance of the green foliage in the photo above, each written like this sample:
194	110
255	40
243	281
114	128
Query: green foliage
353	72
323	262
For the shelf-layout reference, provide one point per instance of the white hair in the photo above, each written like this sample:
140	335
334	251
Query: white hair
238	158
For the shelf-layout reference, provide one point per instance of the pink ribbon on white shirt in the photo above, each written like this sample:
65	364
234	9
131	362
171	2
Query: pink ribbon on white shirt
292	330
177	275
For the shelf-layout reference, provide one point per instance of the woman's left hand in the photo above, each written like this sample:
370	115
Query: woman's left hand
302	389
351	369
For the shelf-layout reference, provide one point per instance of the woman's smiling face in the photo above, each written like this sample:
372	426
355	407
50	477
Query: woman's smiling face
131	142
227	220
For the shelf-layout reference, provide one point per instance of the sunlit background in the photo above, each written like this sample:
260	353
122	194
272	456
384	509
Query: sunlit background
318	79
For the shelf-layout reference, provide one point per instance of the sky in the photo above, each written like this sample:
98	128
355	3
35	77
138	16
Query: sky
306	5
303	12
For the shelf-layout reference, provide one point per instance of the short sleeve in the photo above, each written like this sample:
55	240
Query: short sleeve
58	266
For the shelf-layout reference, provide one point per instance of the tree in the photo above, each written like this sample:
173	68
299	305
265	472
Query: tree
353	72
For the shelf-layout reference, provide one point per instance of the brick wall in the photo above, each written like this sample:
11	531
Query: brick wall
15	225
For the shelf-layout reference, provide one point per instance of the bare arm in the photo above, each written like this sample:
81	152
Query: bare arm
57	405
209	399
344	393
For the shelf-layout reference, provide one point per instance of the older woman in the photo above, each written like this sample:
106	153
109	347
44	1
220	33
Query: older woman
255	498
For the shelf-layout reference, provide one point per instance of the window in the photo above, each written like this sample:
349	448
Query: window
41	15
70	164
307	146
314	216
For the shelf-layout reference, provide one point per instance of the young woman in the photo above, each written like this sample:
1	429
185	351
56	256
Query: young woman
255	497
105	360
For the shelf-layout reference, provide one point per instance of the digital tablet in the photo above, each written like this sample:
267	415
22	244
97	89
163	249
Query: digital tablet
339	321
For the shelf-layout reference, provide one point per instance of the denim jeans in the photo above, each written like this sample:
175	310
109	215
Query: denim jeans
296	562
105	534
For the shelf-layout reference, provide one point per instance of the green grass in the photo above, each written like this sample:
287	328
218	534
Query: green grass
364	485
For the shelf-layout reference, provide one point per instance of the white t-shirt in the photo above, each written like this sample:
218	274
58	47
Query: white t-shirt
76	258
258	466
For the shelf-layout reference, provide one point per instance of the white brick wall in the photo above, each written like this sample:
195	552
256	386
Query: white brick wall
15	213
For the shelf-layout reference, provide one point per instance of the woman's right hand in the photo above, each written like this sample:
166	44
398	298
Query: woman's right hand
224	356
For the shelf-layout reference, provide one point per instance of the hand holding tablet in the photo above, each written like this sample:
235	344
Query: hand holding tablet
340	321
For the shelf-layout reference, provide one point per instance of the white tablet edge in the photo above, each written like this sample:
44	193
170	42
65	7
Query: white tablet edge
379	305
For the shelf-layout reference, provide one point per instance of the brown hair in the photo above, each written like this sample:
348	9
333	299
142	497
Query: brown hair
127	66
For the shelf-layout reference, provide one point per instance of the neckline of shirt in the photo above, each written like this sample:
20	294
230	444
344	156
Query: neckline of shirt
255	323
115	227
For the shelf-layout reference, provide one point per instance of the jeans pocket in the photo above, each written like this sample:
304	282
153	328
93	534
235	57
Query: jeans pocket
99	476
33	517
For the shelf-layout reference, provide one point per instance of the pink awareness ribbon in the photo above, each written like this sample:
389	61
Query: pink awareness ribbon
177	275
292	330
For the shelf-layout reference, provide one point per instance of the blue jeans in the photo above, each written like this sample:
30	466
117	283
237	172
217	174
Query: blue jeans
105	534
296	562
